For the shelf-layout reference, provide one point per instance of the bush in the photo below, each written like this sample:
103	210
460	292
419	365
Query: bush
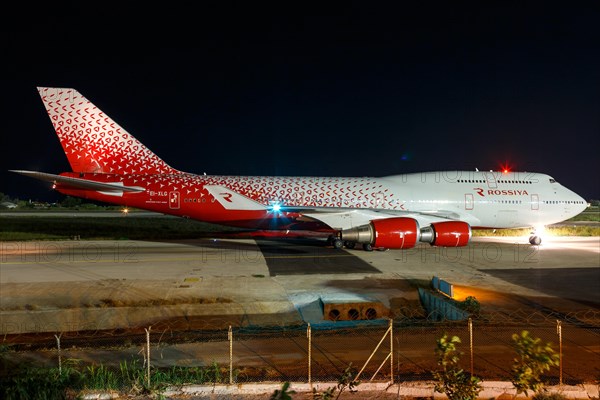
533	358
451	379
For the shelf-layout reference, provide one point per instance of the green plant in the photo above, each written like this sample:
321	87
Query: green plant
533	358
451	379
40	383
101	378
133	376
344	381
213	373
283	394
548	396
471	305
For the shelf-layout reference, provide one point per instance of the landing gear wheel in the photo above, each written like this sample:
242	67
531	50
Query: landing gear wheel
535	240
367	247
337	243
349	245
330	240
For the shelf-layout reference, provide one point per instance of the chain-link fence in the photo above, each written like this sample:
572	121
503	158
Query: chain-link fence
400	350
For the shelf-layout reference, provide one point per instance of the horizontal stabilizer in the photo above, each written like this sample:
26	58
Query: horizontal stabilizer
79	183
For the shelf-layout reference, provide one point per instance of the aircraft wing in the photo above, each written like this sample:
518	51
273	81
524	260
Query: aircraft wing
83	184
336	218
352	217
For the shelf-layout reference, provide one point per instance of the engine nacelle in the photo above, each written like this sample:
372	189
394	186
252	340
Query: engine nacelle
405	233
390	233
447	234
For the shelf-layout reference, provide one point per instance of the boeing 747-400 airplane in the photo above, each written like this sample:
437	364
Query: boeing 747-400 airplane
393	212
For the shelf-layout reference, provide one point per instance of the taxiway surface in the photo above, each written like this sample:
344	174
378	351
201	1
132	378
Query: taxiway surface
83	285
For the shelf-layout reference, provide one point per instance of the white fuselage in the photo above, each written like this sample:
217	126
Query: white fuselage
482	199
488	199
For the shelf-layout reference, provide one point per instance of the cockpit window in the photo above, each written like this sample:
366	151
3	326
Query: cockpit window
552	180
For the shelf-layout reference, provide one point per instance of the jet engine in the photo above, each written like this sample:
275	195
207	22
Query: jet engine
405	233
447	234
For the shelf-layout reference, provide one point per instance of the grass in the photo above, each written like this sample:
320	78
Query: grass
551	231
112	303
159	302
591	214
109	228
27	382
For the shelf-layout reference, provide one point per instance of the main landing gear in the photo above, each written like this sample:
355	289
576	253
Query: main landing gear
338	243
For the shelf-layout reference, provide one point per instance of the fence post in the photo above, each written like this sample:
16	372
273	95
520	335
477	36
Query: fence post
309	335
560	358
148	355
230	337
373	353
471	342
391	351
59	354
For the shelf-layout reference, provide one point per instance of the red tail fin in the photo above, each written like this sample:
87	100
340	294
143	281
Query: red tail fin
92	141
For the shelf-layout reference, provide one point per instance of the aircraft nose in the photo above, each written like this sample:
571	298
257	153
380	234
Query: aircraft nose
580	203
584	203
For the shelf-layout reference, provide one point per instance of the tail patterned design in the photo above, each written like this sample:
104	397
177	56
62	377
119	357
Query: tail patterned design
92	141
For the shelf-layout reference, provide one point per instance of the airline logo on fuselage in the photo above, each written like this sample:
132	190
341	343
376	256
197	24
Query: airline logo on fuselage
227	197
501	192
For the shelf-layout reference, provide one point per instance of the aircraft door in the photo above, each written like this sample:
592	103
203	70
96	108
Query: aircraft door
535	202
469	202
491	180
174	200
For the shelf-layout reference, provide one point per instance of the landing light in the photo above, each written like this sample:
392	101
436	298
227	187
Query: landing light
125	210
540	230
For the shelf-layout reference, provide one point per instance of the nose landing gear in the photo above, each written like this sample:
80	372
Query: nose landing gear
536	236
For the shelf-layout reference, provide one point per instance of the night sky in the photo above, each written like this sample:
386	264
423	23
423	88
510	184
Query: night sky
324	88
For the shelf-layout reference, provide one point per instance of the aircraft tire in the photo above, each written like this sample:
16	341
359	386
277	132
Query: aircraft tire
535	240
337	243
367	247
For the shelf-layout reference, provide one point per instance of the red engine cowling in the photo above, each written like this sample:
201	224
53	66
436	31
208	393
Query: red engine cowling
389	233
405	233
451	234
396	233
